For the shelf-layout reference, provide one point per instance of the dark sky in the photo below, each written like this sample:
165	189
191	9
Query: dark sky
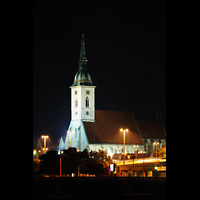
126	52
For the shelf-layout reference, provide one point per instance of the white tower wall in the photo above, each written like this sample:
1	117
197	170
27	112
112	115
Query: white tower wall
80	109
78	136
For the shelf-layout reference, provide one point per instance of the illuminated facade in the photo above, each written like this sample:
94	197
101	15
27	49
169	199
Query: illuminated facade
100	129
82	91
82	104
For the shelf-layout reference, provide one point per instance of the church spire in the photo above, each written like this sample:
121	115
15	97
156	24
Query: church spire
82	60
82	77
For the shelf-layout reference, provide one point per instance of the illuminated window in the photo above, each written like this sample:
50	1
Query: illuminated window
150	174
87	102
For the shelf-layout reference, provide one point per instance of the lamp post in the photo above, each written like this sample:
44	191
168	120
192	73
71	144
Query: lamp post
136	149
70	132
143	165
156	147
61	164
133	164
124	144
38	153
45	136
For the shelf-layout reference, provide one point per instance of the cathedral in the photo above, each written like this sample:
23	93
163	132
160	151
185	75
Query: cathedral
100	129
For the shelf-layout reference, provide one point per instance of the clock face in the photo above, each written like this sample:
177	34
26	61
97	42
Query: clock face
87	113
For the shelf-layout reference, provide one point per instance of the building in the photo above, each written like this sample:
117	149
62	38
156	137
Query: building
100	129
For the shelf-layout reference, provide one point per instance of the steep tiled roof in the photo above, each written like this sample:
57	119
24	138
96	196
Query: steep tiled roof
107	125
151	129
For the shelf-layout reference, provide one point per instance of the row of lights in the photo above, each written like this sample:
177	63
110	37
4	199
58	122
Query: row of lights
124	130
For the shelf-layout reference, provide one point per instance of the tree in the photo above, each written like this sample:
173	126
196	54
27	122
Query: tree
88	162
95	167
36	165
70	161
98	163
50	163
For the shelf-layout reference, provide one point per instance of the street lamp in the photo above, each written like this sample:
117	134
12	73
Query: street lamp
45	136
136	149
61	163
34	152
156	147
124	143
70	137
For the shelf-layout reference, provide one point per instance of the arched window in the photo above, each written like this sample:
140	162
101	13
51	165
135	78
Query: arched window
76	132
87	102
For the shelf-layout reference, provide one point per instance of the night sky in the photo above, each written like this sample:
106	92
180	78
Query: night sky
126	52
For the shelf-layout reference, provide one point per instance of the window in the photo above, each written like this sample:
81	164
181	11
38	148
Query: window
75	92
76	103
87	92
87	102
76	132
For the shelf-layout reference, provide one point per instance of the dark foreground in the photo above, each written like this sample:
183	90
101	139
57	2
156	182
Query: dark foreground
106	188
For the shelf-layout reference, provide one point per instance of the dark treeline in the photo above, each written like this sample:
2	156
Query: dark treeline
96	163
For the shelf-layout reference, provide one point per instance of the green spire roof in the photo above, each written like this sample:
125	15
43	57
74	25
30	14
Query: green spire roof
82	60
82	77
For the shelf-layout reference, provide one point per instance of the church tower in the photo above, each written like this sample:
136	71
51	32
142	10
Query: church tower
82	105
83	91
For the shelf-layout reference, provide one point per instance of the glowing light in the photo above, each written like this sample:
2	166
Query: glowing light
138	161
112	167
34	152
44	136
123	129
